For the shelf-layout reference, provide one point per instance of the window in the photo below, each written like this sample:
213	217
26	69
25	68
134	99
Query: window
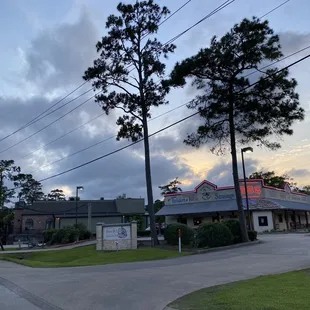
49	224
293	218
280	218
182	220
197	221
262	221
215	219
29	224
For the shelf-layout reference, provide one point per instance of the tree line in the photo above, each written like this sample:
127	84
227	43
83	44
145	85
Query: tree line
24	187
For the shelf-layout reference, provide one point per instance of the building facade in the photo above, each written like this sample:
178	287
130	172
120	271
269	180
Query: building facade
43	215
270	208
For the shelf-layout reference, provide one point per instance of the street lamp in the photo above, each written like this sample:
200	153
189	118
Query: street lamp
78	188
246	150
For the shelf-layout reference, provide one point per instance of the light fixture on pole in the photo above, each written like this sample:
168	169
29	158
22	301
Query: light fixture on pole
246	150
78	188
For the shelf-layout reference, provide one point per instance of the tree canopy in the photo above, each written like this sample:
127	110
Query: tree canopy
125	71
233	111
171	187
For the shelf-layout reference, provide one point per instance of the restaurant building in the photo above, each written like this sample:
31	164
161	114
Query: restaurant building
270	208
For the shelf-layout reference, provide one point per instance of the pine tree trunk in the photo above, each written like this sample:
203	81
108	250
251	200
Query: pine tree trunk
148	177
244	233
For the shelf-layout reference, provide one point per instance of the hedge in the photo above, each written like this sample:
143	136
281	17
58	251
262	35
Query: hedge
235	229
171	234
252	234
213	235
48	234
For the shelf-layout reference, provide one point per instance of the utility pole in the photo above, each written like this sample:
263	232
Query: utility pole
89	217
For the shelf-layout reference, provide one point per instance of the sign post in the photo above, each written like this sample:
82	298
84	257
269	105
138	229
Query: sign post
180	240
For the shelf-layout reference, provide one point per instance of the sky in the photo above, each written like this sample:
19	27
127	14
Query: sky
47	46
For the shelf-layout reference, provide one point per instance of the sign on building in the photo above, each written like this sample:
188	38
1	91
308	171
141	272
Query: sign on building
116	233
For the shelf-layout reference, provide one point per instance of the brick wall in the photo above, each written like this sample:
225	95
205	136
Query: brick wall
18	221
39	221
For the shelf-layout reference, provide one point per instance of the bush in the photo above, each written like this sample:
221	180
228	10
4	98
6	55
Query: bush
144	233
252	235
83	232
48	234
65	235
172	236
213	235
235	229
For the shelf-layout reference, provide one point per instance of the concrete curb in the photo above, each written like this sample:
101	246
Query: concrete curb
234	246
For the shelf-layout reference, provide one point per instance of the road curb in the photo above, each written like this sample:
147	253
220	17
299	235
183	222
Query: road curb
228	247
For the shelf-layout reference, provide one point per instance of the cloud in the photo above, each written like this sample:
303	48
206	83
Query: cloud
298	173
58	57
221	174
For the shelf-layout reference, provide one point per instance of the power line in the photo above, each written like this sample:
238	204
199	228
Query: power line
109	138
277	7
106	139
53	122
162	129
34	119
62	136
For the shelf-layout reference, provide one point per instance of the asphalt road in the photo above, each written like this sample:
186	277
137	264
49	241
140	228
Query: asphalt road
146	285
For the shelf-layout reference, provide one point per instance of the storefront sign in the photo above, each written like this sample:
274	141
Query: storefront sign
224	196
116	233
254	189
178	199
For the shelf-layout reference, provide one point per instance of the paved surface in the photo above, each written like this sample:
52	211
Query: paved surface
149	285
68	247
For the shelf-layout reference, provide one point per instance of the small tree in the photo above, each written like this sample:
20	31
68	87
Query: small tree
30	189
124	73
172	187
8	171
56	195
234	113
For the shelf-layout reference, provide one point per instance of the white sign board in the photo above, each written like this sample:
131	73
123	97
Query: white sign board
116	233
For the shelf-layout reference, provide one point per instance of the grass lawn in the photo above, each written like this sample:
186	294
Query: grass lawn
87	256
275	292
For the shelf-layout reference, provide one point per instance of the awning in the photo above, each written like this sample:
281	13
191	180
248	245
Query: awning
230	205
292	205
198	207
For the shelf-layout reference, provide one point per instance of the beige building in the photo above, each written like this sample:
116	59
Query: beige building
270	208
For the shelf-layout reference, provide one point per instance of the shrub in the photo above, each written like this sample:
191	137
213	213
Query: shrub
172	236
235	229
48	234
144	233
65	235
83	232
252	235
213	235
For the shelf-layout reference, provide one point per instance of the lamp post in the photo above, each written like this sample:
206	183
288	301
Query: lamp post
246	150
76	202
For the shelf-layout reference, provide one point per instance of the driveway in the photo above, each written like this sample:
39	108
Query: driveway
149	285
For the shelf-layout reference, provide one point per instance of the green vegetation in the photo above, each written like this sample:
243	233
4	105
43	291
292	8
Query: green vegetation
87	256
235	229
213	235
276	292
252	235
66	234
171	234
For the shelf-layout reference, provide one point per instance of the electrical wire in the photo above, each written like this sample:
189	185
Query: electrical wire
162	129
104	140
34	120
48	125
